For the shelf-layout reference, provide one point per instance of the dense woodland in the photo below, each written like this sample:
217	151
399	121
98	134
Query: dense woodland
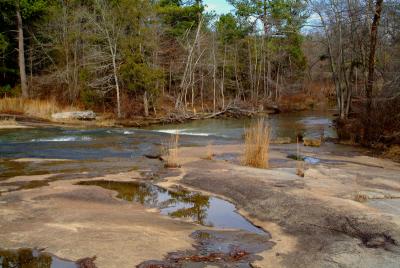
142	57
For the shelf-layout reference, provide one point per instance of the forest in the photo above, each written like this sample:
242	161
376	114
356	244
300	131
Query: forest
148	58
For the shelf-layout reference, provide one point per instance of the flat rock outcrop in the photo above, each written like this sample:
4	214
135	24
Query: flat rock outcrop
77	115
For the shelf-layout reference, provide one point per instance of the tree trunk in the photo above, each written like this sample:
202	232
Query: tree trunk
116	80
214	75
21	55
250	72
223	80
145	104
265	17
371	65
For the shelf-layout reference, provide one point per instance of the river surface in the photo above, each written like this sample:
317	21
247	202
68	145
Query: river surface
112	149
308	124
100	143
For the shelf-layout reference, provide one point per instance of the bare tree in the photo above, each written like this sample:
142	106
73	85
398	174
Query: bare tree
21	53
108	29
371	61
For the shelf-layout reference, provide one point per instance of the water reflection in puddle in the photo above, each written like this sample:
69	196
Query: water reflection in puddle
24	258
307	159
202	209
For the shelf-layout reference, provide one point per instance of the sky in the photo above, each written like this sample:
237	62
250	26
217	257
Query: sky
223	7
219	6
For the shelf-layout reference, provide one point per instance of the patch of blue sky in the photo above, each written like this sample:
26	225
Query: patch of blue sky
223	7
218	6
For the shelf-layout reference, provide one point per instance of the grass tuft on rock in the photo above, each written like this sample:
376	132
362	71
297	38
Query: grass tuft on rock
170	149
256	145
360	197
209	152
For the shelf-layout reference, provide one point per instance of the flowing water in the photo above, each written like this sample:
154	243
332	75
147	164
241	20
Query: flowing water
308	124
100	143
105	150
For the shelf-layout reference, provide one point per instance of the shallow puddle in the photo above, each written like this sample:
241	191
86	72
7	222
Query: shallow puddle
307	159
216	249
27	258
234	243
202	209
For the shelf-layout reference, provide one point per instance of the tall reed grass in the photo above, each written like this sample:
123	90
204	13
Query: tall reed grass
170	149
299	161
31	107
8	122
256	145
209	152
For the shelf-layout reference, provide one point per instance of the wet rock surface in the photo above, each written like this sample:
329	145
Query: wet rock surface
78	115
217	248
180	203
331	232
24	258
47	216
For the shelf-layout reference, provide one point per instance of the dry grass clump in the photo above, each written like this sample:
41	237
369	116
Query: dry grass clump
105	122
209	152
360	197
312	142
31	107
170	149
299	162
256	145
8	122
393	153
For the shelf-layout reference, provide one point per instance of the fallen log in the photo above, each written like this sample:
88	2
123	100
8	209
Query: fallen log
183	116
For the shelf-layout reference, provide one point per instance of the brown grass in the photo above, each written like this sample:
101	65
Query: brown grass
8	122
256	145
359	197
299	162
31	107
171	148
105	122
209	152
312	142
393	153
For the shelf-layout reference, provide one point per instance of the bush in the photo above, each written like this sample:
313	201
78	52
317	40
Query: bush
380	125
